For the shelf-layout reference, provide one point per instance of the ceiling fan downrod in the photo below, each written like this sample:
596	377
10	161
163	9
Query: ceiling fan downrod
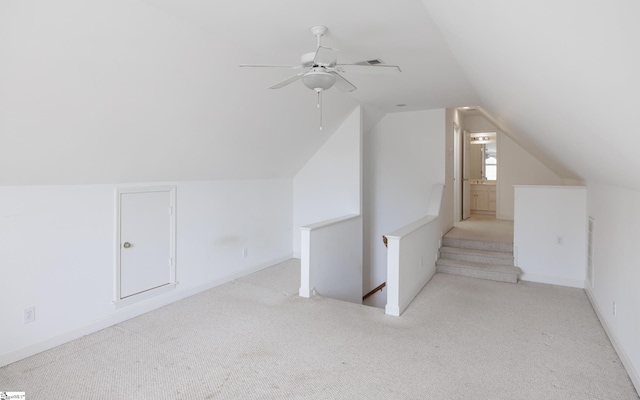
319	31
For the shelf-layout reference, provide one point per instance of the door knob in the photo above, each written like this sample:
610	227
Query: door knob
126	245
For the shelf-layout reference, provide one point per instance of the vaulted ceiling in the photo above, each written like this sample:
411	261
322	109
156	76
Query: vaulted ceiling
150	90
560	76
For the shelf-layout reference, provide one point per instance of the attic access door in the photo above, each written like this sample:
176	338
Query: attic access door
145	242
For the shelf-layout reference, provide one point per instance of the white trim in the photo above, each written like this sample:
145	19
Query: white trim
393	277
118	300
329	222
412	227
144	295
549	187
395	311
590	267
306	292
498	185
553	280
125	313
305	263
626	361
392	310
457	168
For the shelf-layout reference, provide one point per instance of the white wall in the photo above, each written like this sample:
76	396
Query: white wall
516	166
404	156
328	186
332	259
412	254
617	269
57	252
549	233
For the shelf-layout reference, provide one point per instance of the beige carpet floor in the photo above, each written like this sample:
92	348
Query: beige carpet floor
254	338
481	227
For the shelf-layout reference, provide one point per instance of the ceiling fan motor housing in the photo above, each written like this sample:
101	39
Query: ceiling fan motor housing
307	59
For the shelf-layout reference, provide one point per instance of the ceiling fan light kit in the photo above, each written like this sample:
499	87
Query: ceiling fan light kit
320	69
318	80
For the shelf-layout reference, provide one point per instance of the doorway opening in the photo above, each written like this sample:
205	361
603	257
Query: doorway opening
476	172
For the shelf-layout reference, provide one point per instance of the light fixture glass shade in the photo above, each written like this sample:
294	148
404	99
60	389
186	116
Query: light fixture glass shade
318	80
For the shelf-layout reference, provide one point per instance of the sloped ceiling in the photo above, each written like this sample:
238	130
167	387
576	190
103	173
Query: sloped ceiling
150	90
560	76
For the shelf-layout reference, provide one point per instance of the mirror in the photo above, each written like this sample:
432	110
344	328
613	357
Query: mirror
490	164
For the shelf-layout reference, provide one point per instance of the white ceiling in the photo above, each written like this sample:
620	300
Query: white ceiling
135	91
560	76
150	90
397	32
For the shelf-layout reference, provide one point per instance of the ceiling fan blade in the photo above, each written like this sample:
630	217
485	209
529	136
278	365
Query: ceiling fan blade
287	81
342	84
369	69
325	56
270	66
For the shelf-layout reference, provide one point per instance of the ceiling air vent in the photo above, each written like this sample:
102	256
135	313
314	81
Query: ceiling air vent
370	62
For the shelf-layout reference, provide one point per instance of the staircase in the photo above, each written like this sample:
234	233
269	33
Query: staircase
478	259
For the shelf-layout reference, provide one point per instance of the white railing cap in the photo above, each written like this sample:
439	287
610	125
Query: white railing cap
329	222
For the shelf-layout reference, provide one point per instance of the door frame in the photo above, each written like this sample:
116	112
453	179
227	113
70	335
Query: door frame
457	172
119	192
466	184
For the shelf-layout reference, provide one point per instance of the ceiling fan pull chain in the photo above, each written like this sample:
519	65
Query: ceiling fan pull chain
320	106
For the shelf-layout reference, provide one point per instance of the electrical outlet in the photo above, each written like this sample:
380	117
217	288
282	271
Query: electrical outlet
245	252
614	308
29	315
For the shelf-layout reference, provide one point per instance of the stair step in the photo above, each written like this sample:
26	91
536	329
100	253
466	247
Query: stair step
500	273
482	256
477	244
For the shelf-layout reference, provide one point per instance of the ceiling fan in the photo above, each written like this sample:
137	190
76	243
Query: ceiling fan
320	71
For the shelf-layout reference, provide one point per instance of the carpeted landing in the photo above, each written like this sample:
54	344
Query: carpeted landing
483	227
479	247
254	338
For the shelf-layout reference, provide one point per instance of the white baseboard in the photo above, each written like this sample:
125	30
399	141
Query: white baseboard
392	310
125	313
397	310
306	292
552	280
626	361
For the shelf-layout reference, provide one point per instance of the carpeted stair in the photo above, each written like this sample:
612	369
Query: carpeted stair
478	259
